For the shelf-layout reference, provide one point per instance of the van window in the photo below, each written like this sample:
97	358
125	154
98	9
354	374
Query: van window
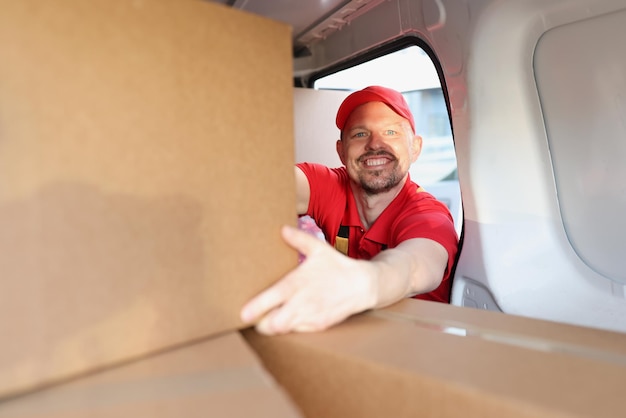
412	72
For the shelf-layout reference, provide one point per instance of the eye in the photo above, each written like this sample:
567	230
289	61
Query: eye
390	132
359	134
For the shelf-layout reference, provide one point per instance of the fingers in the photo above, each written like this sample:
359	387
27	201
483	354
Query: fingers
301	241
281	291
275	322
323	290
266	301
280	309
271	324
289	317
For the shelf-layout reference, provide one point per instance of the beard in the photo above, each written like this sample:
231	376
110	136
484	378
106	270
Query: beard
380	181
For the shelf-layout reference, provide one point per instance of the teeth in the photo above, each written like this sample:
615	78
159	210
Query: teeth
375	161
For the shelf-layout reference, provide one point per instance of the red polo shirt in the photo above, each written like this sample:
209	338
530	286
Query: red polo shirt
412	214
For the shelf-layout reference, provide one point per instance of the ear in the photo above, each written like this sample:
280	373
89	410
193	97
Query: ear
416	147
340	151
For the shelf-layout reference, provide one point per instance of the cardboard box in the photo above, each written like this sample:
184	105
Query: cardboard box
420	358
219	377
146	166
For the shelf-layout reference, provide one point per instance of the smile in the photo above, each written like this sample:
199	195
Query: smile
373	162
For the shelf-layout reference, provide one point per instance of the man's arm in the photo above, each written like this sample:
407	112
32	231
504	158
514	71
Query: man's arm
303	192
413	267
329	286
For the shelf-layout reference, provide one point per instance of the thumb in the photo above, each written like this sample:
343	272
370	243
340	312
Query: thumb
303	242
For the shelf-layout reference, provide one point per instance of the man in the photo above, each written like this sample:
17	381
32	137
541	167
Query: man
387	238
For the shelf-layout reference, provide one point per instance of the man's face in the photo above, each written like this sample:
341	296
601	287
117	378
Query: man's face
377	147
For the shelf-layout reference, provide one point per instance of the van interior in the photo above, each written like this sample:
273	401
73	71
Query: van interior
522	109
147	151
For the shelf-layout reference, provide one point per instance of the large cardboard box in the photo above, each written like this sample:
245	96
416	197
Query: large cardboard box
218	377
426	359
146	166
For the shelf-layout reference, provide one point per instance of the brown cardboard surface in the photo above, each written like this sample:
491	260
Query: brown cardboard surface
146	166
384	364
512	330
219	377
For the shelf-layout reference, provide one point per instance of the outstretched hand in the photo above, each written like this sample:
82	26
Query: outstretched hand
323	290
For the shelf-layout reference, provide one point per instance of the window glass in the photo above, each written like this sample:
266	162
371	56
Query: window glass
412	72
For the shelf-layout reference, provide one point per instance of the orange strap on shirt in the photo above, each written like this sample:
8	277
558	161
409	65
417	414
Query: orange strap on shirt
341	240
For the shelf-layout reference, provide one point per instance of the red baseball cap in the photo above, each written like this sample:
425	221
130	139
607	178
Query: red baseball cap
391	98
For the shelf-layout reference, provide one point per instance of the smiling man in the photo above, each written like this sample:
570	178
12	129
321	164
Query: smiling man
387	238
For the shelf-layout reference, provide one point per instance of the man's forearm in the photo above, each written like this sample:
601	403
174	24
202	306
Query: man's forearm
416	266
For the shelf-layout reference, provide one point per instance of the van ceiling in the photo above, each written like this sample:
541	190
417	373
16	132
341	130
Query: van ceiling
310	19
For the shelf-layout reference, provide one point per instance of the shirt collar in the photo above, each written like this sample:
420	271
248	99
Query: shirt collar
379	231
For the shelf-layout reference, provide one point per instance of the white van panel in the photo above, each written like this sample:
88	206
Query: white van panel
516	242
529	248
315	131
581	78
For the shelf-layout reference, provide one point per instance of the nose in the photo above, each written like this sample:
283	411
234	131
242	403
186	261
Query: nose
375	141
